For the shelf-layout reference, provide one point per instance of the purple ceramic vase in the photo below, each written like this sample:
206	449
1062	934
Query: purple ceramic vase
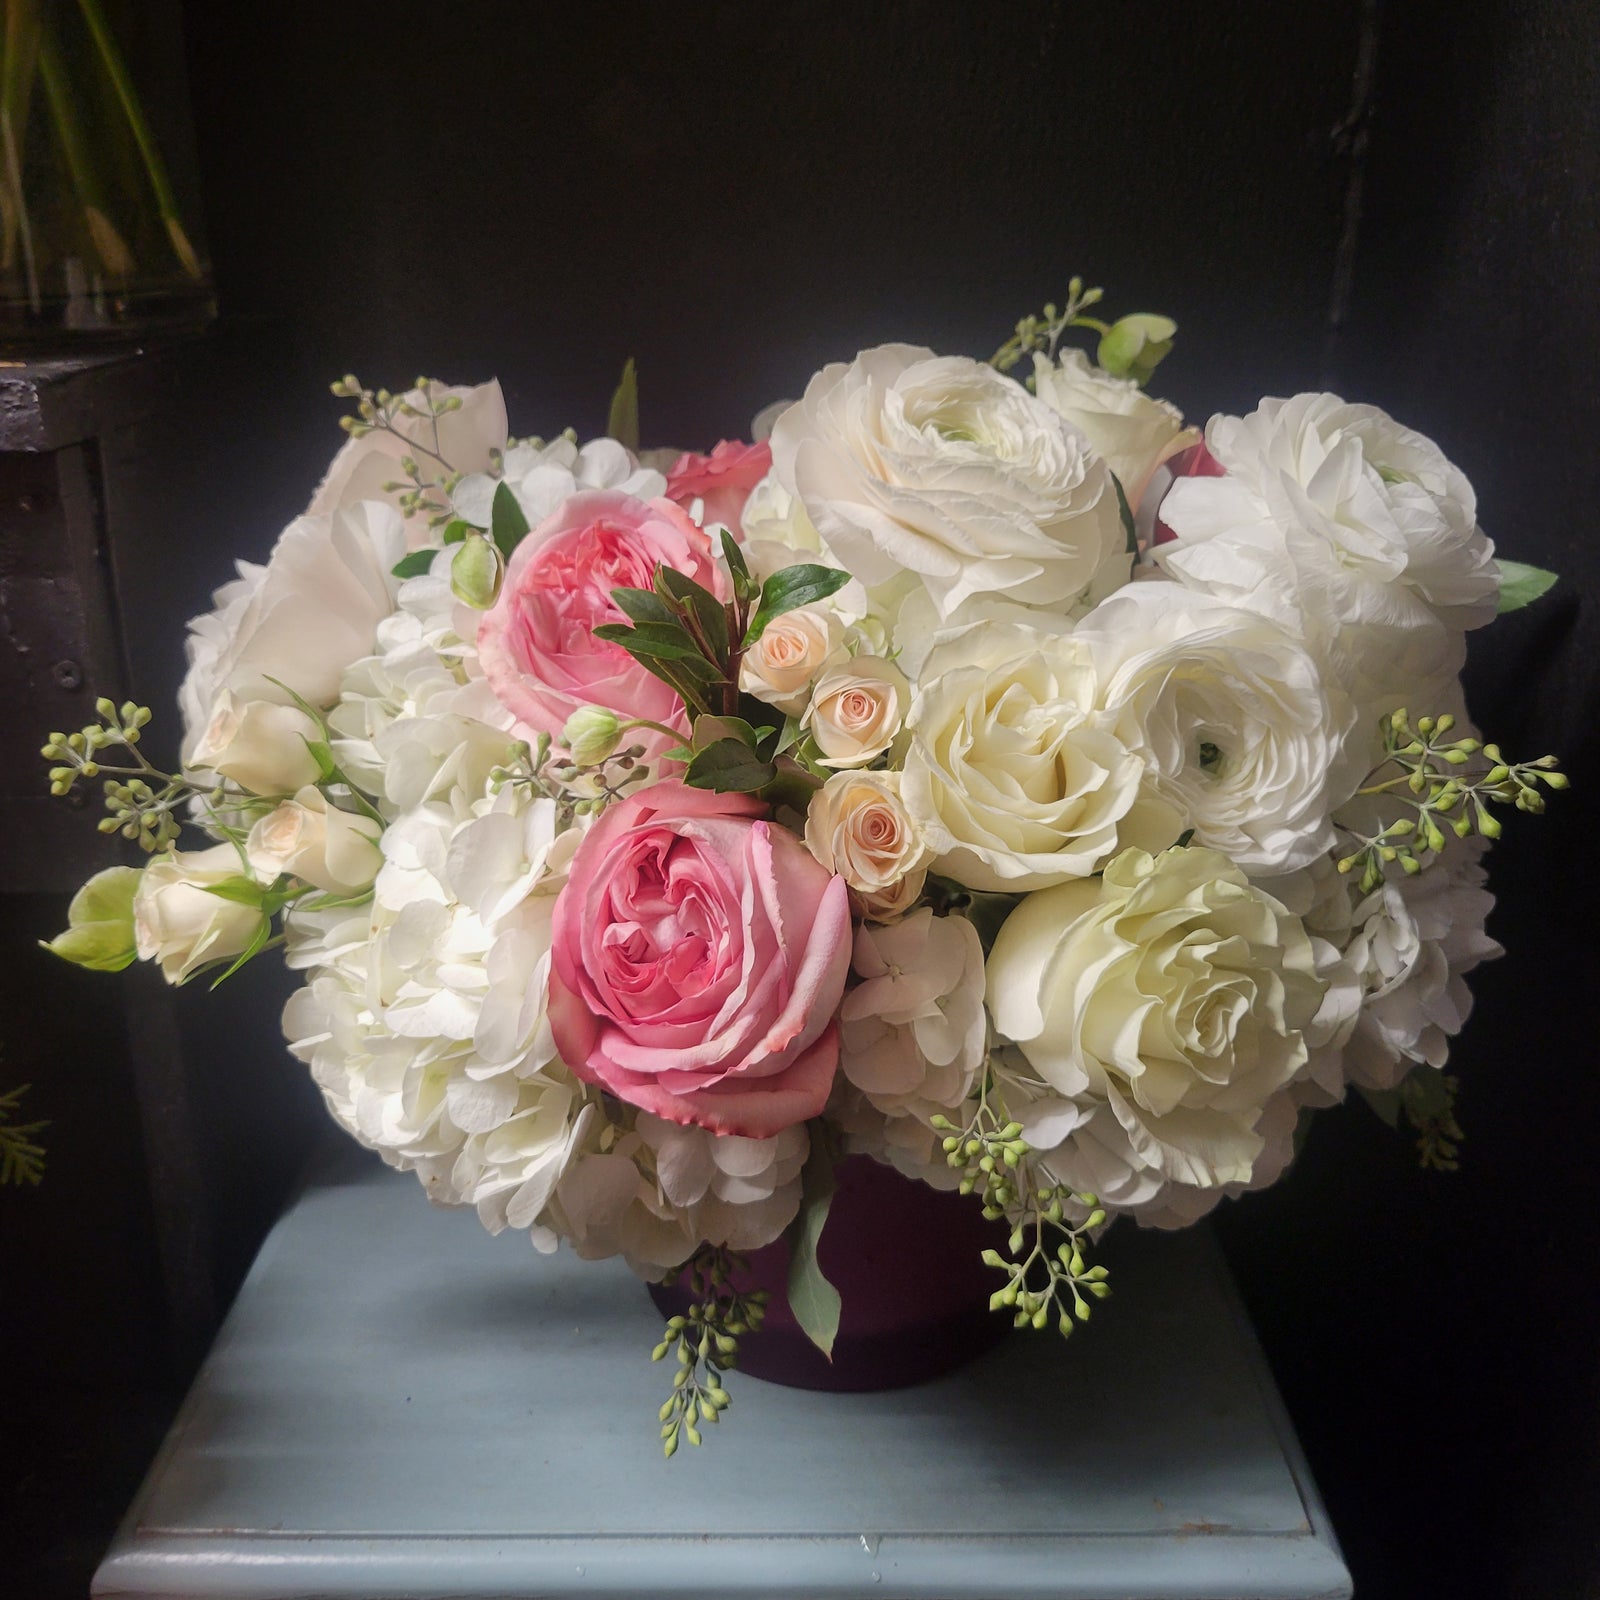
906	1260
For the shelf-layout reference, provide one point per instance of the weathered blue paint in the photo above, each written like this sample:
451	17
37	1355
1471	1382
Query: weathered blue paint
401	1406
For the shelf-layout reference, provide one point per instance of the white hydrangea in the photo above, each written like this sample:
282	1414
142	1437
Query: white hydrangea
541	476
423	1020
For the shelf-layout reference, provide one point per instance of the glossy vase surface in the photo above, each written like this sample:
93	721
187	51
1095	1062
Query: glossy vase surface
906	1260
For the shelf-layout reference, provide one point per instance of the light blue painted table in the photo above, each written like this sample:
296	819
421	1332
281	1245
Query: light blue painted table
401	1406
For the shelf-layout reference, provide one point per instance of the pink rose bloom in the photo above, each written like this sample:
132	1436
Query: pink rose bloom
723	480
537	644
699	956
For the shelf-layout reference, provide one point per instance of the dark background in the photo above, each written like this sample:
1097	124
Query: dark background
1396	202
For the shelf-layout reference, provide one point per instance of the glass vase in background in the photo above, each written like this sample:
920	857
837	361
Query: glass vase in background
100	236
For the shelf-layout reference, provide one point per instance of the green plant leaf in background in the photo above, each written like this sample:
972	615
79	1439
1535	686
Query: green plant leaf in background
813	1300
1521	585
622	420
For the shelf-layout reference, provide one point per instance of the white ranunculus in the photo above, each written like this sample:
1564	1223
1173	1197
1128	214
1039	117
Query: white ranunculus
1238	729
1362	517
1172	993
1130	431
294	626
466	438
261	746
1015	777
794	650
311	840
542	476
179	924
943	467
911	1032
857	825
1413	942
857	710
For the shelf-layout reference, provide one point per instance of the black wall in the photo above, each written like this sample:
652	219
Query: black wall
1394	202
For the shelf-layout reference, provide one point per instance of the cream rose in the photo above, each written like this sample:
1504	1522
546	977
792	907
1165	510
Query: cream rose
858	826
309	839
857	710
1170	991
1130	431
792	652
1014	776
179	924
261	746
945	468
1239	731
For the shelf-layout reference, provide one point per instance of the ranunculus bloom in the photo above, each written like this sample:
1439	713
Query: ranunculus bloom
721	481
700	953
537	645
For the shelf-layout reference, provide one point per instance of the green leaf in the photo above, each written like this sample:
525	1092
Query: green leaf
745	587
729	766
667	641
642	605
456	529
1125	512
622	420
813	1300
1385	1104
414	565
241	890
691	600
1521	585
709	729
507	525
793	587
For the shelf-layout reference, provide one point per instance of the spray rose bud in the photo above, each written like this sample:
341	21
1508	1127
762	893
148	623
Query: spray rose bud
261	746
591	734
179	924
308	838
1133	347
857	711
476	572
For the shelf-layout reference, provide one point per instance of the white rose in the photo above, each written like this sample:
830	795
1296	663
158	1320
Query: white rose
1170	991
793	651
858	826
1238	729
911	1032
179	924
261	746
311	840
466	437
1014	776
1348	504
857	710
1131	431
946	468
300	620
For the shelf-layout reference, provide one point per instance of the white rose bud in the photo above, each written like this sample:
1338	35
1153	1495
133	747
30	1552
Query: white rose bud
857	710
312	840
179	924
262	747
793	651
858	827
591	734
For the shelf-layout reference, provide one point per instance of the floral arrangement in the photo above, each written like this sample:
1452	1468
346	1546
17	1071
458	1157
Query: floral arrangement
983	771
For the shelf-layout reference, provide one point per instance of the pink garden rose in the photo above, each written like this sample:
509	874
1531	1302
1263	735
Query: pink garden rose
537	644
722	480
699	955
